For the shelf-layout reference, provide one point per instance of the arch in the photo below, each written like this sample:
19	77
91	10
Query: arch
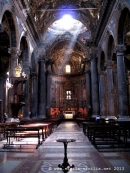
4	68
67	50
24	57
4	55
121	25
8	16
54	44
102	61
33	63
110	48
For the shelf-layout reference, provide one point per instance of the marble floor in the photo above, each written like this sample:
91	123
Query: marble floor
81	153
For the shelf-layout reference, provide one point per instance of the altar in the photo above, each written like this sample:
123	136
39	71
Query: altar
69	114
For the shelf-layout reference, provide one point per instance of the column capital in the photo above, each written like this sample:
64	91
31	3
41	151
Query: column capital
102	73
87	66
93	53
109	64
14	51
41	51
34	74
26	65
119	49
42	60
114	66
93	57
93	50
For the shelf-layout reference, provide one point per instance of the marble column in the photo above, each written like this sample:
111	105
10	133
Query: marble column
122	85
88	87
94	86
41	90
110	96
128	76
14	60
80	94
13	63
34	96
26	109
48	85
3	93
102	93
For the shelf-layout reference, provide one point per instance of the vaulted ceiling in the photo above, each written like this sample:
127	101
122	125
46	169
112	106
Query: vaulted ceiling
65	44
45	12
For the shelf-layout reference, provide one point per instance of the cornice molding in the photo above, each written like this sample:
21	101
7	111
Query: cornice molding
105	14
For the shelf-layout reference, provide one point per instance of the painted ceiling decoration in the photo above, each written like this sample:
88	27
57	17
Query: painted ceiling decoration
48	14
63	54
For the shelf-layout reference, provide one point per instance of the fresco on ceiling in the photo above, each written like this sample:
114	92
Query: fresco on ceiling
63	55
84	37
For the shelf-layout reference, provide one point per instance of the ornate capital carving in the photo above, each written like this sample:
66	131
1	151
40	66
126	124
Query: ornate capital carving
109	63
114	66
89	43
87	66
94	50
34	74
102	73
120	48
41	52
93	53
14	51
42	61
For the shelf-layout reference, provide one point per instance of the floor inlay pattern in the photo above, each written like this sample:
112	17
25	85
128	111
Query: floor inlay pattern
50	154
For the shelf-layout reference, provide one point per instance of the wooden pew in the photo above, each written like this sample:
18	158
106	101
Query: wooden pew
2	131
53	123
43	128
103	133
106	134
125	131
4	126
23	132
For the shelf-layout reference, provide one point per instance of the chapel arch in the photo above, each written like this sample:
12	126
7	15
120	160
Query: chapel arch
24	56
122	29
125	16
9	26
110	47
102	61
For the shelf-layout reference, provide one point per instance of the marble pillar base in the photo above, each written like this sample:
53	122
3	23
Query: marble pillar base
26	118
123	118
94	116
111	117
103	117
41	116
34	118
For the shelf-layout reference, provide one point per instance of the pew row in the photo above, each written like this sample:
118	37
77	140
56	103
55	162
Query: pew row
23	132
106	134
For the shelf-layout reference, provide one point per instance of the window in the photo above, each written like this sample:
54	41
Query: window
67	69
68	95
